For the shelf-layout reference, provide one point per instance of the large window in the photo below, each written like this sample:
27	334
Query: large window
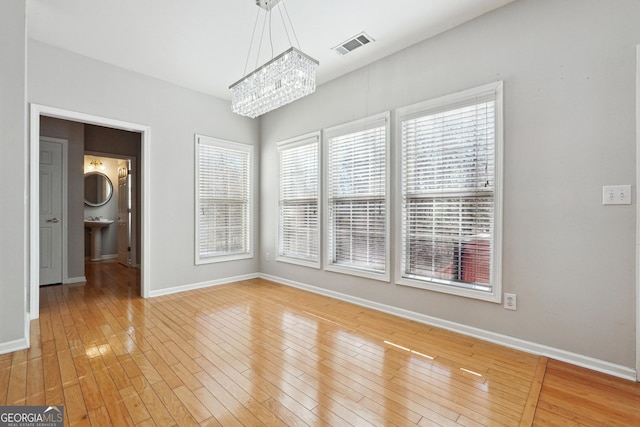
451	168
299	211
357	197
223	200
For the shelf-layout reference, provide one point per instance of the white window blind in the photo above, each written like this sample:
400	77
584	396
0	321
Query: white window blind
448	193
223	200
357	226
298	223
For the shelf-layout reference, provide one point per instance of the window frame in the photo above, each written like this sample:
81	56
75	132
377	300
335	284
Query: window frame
249	226
444	103
341	130
291	144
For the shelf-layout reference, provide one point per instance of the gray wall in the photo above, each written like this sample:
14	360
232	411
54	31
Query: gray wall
74	133
13	164
569	73
569	78
65	80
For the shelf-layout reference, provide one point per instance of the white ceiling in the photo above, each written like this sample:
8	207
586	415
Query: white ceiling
203	44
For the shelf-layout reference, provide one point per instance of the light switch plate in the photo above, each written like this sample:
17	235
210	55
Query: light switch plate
616	195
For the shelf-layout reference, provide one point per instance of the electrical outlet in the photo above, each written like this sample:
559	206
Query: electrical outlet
510	302
267	256
616	195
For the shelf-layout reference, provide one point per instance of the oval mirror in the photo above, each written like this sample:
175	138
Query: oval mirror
97	189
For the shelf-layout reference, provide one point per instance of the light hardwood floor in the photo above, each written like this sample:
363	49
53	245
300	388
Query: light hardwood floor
258	353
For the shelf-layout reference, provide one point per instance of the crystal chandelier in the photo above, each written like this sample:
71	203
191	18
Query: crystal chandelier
284	79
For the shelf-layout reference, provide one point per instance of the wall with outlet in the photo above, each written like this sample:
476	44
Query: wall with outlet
510	302
569	129
569	97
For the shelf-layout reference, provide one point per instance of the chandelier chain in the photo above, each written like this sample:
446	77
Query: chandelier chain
286	12
264	26
270	35
284	25
253	34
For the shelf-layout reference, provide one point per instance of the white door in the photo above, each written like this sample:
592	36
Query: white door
50	212
124	212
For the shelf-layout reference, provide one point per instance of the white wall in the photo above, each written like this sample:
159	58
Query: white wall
13	185
569	78
65	80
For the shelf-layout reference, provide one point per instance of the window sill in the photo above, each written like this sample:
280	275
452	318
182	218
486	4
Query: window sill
222	258
493	296
297	261
383	277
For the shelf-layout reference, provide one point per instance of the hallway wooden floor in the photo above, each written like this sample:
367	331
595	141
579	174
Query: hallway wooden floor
258	353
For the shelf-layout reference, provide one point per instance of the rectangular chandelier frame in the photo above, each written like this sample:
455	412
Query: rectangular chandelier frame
284	79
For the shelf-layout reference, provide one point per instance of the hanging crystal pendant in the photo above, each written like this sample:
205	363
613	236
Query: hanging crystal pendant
286	78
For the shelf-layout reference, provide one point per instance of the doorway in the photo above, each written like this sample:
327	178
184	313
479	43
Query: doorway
118	211
126	212
38	111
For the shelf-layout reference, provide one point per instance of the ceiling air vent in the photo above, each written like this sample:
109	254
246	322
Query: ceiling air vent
353	43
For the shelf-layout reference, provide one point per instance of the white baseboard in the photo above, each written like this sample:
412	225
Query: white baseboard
70	280
504	340
500	339
15	345
183	288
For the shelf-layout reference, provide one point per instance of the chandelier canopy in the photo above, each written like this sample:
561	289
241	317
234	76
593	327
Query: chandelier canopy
284	79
